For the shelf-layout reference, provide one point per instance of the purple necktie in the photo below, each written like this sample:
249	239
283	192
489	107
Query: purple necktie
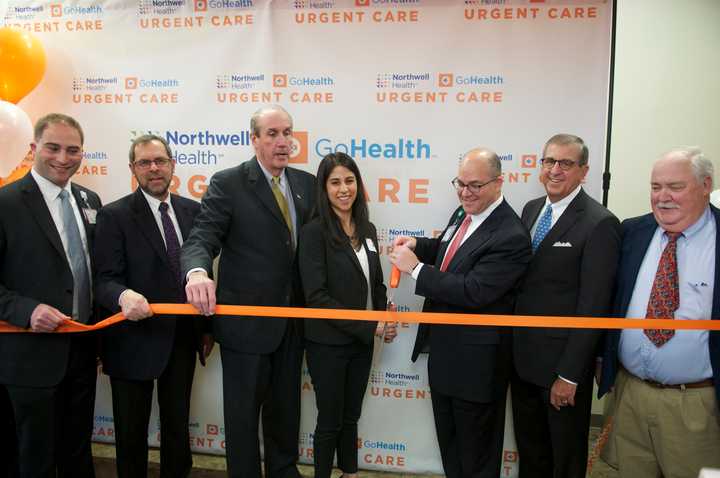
171	244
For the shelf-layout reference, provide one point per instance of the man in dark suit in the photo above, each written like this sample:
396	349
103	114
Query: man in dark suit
46	231
252	213
137	257
576	242
667	383
474	267
8	439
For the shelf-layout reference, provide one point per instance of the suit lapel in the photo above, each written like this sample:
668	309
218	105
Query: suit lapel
639	242
261	188
38	208
479	237
300	197
183	218
531	213
147	225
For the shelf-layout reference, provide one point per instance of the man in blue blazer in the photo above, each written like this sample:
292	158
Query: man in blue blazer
667	383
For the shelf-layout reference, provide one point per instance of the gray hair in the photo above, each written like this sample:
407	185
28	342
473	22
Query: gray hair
254	128
145	139
702	167
564	139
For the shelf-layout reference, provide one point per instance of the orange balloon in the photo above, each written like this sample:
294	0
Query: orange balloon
22	63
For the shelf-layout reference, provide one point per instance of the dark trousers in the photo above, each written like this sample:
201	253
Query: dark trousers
468	436
551	443
339	375
54	424
8	438
132	404
270	382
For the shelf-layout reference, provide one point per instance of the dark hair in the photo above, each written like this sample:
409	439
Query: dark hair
54	118
565	139
145	139
329	218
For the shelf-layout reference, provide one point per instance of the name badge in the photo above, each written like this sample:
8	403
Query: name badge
448	233
90	215
370	245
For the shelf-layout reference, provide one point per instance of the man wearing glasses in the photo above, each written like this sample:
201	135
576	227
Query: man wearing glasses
473	267
137	255
576	243
46	233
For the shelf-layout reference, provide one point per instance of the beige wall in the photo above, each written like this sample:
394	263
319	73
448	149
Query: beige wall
667	91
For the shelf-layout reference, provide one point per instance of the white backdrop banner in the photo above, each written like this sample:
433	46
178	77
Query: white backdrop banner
404	86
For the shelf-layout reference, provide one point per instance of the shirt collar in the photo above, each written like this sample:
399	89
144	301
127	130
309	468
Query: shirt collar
488	210
697	225
154	202
269	176
49	189
564	201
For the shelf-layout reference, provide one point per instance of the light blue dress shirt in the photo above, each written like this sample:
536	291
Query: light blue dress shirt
685	358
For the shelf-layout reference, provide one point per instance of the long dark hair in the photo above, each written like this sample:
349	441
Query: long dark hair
359	212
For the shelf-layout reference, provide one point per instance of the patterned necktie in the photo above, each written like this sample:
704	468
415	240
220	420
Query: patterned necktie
172	244
455	244
665	293
282	203
543	227
78	264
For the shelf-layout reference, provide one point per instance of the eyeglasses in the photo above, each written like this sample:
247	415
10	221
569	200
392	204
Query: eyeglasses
472	187
147	163
565	164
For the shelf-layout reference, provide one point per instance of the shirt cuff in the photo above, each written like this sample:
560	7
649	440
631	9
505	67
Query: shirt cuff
416	271
566	380
194	269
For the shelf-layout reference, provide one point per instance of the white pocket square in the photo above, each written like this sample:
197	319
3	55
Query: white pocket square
562	244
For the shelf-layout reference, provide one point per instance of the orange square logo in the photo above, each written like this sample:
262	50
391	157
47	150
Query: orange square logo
362	3
445	80
279	81
299	148
201	5
212	429
56	10
131	83
528	161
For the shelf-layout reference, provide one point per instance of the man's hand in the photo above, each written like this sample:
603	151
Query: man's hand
390	331
410	242
200	290
207	344
562	394
134	306
404	258
46	319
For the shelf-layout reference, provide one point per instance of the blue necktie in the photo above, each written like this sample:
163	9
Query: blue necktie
78	264
543	227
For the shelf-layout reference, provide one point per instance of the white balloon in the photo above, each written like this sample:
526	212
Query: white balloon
16	134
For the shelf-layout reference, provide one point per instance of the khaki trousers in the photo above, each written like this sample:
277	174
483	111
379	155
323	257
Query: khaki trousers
665	433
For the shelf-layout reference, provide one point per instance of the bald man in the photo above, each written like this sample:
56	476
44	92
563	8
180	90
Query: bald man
473	267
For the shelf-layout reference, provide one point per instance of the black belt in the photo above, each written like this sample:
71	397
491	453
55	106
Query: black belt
708	382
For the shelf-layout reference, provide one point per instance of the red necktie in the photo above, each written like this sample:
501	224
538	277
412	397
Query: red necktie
665	293
455	244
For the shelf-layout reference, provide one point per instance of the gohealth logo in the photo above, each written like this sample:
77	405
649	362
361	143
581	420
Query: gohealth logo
363	148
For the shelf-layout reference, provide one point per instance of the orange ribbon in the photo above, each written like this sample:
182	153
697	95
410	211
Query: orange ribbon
386	316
